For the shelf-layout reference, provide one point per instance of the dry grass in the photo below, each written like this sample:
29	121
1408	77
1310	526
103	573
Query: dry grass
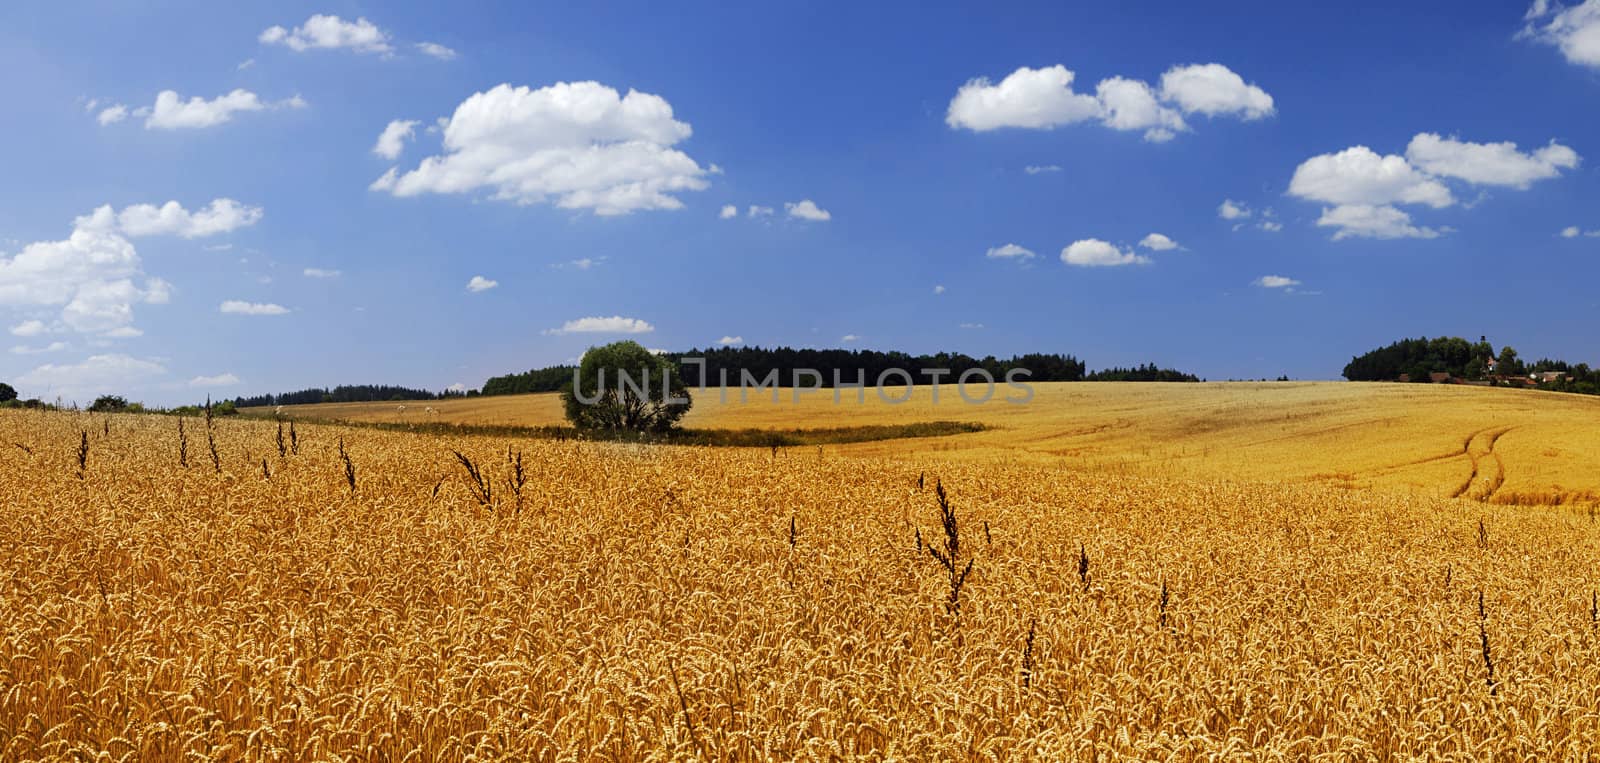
1514	447
663	603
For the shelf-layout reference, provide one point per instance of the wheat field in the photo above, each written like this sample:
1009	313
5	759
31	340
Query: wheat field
358	596
1512	447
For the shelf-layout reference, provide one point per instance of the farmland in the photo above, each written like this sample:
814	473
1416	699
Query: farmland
355	594
1513	447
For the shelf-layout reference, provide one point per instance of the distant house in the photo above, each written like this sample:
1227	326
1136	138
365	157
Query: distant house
1548	376
1492	365
1439	377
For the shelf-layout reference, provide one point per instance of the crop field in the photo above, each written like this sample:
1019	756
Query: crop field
245	592
1502	446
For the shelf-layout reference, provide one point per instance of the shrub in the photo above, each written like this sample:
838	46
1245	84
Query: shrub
604	399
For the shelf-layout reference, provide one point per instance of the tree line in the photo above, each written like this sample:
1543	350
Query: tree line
345	393
1417	359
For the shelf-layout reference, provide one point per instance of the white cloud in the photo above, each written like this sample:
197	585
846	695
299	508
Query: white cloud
1039	169
23	349
92	276
320	273
847	338
386	181
113	114
171	219
807	209
1212	90
971	326
1575	31
1232	210
584	263
1270	226
96	375
238	307
1570	231
1275	282
616	324
1009	252
245	64
37	327
330	33
938	289
729	340
479	283
728	212
1369	221
171	112
1130	104
393	138
457	387
436	50
220	380
1358	175
1032	98
759	211
582	144
1044	99
1092	253
1489	163
1158	243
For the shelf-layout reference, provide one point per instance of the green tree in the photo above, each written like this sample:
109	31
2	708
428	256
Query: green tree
7	393
109	404
625	387
1509	364
1474	369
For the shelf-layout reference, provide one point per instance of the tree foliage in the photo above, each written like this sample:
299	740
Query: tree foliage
625	387
7	393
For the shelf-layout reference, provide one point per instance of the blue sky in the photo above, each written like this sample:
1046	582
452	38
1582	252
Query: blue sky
1369	149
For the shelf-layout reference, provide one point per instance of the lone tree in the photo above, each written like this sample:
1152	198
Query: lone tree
7	393
109	404
625	387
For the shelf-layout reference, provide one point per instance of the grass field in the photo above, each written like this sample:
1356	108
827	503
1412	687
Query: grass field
353	594
1504	446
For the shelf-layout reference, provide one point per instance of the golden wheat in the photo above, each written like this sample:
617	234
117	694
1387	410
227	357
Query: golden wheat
653	603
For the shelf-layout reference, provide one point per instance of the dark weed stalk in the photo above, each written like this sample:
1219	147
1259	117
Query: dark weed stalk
1483	637
183	445
83	454
482	489
518	477
1483	535
949	556
987	538
1027	654
294	441
792	534
283	448
349	467
211	439
1161	610
1083	567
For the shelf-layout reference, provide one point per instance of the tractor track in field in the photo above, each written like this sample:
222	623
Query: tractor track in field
1493	480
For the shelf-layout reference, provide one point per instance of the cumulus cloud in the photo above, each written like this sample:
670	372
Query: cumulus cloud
1094	253
1270	226
322	32
847	338
806	209
320	273
1232	210
23	349
759	211
938	289
1370	221
479	283
616	324
1498	164
1570	231
95	375
1359	175
1045	99
1275	282
730	340
1009	252
171	219
1574	31
220	380
1365	187
239	307
1157	242
1040	169
436	50
579	145
393	138
171	112
728	212
113	114
1214	90
95	276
